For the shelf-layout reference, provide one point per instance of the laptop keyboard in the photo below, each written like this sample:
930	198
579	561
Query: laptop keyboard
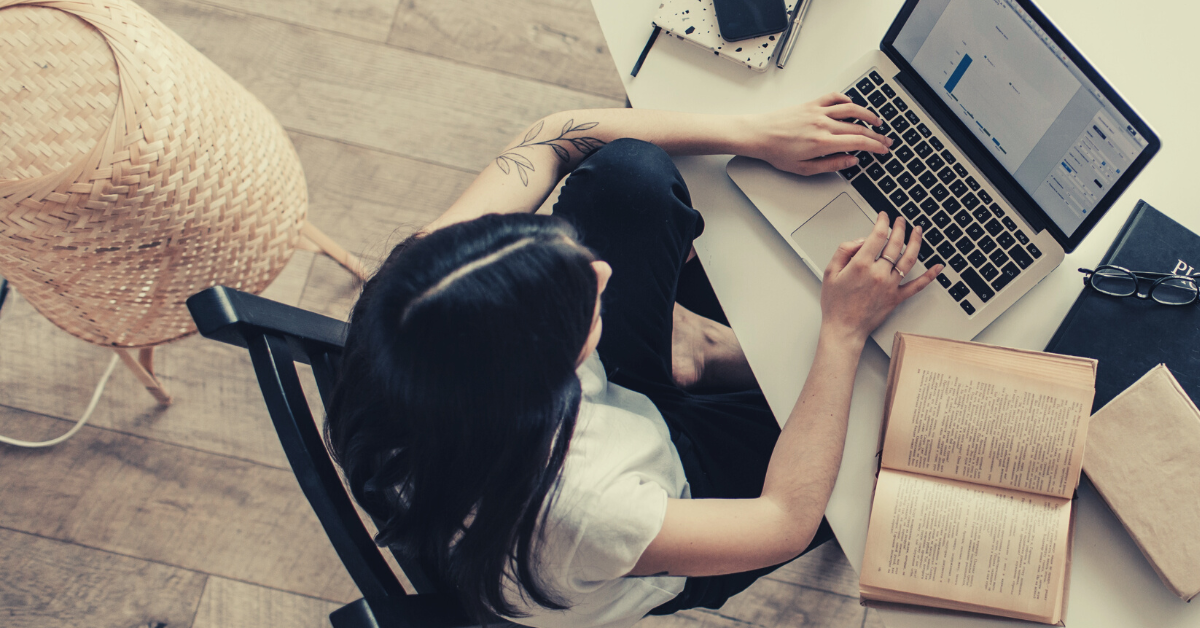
923	181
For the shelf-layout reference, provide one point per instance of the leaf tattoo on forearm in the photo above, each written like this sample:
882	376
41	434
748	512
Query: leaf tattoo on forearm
512	160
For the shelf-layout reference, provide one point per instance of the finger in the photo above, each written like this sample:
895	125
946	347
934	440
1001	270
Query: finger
852	142
895	242
826	164
847	111
849	128
875	241
916	285
909	258
842	256
832	98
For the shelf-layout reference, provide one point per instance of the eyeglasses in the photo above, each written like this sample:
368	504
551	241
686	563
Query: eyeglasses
1165	288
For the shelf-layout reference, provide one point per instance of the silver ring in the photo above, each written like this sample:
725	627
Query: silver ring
893	262
899	271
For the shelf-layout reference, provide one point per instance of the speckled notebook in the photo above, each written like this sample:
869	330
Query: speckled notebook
695	21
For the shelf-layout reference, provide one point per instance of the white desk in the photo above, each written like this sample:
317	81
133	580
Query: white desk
771	299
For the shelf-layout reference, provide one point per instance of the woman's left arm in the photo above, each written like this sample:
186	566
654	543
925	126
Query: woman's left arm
805	139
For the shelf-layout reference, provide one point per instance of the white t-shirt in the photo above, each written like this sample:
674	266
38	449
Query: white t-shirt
612	496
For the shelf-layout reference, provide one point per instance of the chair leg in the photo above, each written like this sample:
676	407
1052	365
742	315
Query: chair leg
143	369
334	250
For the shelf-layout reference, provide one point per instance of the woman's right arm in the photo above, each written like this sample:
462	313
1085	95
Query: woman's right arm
705	537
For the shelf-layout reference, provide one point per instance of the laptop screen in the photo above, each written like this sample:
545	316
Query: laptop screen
1042	119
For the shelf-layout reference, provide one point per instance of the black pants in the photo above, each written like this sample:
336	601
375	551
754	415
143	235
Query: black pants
631	206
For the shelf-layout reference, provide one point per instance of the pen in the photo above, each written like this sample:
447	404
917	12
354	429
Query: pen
793	33
645	51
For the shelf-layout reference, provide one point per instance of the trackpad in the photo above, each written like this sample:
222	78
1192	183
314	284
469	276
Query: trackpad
840	221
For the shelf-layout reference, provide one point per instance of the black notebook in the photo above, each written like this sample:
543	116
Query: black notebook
1129	336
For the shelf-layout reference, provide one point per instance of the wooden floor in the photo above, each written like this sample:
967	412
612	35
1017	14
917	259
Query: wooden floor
188	515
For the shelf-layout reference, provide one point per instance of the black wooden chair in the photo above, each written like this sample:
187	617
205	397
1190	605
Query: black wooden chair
278	336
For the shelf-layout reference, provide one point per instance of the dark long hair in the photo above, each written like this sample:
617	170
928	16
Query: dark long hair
458	397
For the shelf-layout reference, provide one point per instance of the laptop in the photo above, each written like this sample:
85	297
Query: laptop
1008	147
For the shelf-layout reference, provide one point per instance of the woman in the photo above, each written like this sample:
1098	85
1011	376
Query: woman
561	468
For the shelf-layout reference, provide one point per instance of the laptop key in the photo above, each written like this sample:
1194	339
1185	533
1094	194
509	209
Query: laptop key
875	171
928	179
898	197
900	124
904	153
1000	282
958	263
998	258
929	206
1008	222
963	218
958	187
887	89
981	214
912	117
906	180
988	271
923	150
987	244
887	112
882	157
1021	237
895	167
900	104
849	173
875	77
896	141
959	291
943	280
948	157
952	231
970	201
946	249
978	285
951	204
967	307
962	172
916	167
972	183
856	97
932	236
1033	250
977	259
917	192
965	245
865	86
910	211
874	198
924	130
935	163
876	98
864	159
984	196
941	219
911	136
1020	257
947	175
1005	240
939	192
993	226
923	222
925	251
887	184
936	143
997	211
974	230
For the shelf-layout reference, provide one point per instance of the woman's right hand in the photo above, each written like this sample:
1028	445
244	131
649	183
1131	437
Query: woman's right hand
861	287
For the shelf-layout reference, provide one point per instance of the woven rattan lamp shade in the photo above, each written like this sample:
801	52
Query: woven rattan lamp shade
133	172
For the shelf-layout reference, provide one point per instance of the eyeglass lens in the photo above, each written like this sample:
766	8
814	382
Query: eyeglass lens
1174	291
1122	283
1114	281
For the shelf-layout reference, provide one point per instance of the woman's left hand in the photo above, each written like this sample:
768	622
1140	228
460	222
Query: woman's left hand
815	137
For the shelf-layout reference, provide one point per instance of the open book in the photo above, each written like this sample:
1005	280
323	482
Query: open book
982	448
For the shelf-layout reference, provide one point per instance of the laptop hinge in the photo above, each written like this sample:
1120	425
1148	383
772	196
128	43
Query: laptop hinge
966	142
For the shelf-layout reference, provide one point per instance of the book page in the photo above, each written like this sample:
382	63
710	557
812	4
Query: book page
967	421
966	543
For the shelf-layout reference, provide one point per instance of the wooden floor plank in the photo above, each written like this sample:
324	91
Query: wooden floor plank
230	604
371	94
217	404
50	583
167	504
366	19
330	290
556	41
824	568
368	201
